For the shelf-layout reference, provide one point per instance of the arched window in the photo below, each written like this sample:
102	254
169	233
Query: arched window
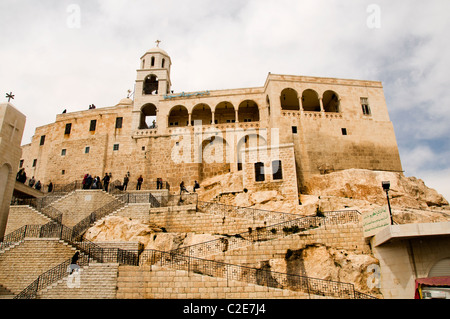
289	100
143	64
148	117
179	116
224	113
248	111
201	112
310	101
150	85
330	101
163	62
153	61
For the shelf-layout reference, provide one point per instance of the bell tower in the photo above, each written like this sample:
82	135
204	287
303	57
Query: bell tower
152	82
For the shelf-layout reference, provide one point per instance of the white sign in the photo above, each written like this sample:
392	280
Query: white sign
375	221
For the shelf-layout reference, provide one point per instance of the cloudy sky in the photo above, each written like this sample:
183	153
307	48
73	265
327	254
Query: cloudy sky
67	54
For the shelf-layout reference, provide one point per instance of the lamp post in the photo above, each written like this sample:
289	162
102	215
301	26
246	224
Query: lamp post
386	186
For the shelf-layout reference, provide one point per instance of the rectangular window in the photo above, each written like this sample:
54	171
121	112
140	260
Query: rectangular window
68	128
87	149
42	140
21	163
294	130
344	131
93	126
259	172
34	162
116	147
63	172
119	121
365	106
277	170
63	152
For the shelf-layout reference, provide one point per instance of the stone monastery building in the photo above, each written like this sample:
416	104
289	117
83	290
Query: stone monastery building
277	135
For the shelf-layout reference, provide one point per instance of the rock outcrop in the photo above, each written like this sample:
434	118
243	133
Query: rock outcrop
123	229
408	192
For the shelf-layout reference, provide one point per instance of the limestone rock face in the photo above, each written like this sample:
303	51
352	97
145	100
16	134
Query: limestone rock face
366	185
326	263
123	229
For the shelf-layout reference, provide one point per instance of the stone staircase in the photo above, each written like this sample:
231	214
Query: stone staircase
21	264
96	281
24	215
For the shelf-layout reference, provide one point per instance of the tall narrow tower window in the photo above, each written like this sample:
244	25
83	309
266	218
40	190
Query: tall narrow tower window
163	62
93	125
68	128
153	61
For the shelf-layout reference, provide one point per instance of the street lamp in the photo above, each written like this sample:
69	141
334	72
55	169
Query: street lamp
386	186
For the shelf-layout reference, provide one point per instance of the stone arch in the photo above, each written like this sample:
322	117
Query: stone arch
289	100
148	115
248	140
201	112
215	156
224	113
310	101
248	111
330	101
178	116
150	84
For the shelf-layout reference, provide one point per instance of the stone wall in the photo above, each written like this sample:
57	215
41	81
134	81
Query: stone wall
154	283
185	219
346	236
287	185
80	203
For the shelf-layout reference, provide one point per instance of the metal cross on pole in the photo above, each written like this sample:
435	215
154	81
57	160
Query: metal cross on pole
157	43
9	96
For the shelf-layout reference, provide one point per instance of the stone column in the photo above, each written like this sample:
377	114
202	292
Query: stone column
12	124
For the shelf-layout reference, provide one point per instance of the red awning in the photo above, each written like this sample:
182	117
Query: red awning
434	281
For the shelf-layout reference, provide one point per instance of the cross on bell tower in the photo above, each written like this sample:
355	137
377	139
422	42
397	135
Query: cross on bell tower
157	43
9	96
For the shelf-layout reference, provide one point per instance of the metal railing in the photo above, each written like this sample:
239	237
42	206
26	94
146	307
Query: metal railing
187	258
159	200
266	233
93	252
311	286
244	212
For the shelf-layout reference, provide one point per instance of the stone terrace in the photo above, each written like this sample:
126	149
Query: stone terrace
155	279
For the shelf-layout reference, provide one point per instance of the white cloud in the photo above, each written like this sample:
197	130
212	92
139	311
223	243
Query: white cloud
231	44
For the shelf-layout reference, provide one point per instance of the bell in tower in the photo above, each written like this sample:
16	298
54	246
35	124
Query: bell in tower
155	72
